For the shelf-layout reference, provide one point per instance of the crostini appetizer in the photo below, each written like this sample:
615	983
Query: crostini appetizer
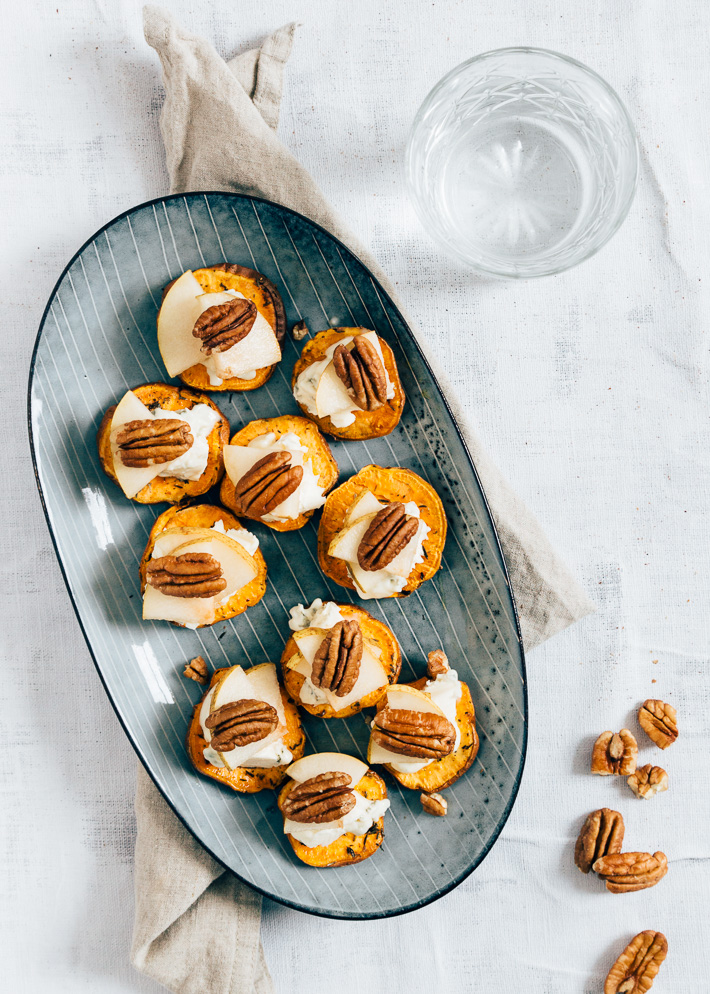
245	732
333	808
278	471
346	379
338	660
198	574
221	328
424	733
382	533
162	443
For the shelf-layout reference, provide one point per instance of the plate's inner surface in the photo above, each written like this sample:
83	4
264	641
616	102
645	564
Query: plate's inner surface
98	340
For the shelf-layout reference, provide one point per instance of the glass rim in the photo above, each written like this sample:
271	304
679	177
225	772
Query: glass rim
624	207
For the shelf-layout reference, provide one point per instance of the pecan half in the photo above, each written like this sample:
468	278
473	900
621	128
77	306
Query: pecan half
437	663
602	834
324	798
658	721
630	871
419	734
222	326
241	722
637	967
193	574
336	664
434	804
197	670
648	780
362	373
153	442
614	754
269	482
388	533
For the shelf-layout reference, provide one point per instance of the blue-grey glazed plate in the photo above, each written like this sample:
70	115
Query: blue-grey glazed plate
97	339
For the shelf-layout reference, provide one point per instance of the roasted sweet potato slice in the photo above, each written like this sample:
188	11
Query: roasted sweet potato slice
367	424
243	779
443	772
324	465
372	629
387	484
169	489
205	516
254	286
348	848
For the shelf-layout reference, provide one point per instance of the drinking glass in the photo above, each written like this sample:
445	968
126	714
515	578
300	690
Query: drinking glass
522	162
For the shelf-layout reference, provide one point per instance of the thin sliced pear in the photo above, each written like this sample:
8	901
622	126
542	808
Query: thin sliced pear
264	683
347	542
365	503
256	350
327	762
235	685
178	312
131	479
331	396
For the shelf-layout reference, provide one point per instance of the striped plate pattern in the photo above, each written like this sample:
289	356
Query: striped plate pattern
97	339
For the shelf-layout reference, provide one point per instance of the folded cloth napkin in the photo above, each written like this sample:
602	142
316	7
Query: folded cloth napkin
196	927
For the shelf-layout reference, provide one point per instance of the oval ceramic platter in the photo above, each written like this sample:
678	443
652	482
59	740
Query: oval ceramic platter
98	339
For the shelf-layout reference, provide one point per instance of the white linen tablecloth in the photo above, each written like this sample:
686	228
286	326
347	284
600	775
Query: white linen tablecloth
589	389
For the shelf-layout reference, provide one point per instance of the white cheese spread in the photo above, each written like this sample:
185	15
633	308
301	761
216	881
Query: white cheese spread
319	615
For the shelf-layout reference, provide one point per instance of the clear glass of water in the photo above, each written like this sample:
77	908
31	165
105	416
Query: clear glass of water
522	162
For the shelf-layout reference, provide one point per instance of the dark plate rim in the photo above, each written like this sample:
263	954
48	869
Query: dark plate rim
416	905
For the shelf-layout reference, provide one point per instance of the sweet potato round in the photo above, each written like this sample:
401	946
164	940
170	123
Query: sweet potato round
169	489
443	772
254	286
372	629
348	848
324	465
367	424
387	484
244	780
204	516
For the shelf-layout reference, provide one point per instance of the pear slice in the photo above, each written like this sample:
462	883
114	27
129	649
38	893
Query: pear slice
371	677
403	698
347	542
131	479
331	397
235	685
265	687
327	762
239	459
256	350
238	569
365	503
178	312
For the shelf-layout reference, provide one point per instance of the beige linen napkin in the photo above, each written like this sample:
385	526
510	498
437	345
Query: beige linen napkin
218	125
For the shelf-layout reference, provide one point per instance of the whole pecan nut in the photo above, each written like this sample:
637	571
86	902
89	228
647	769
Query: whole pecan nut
193	574
387	534
222	326
153	442
658	721
241	722
419	734
602	834
614	753
266	485
648	780
631	871
336	664
434	804
637	967
324	798
362	373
